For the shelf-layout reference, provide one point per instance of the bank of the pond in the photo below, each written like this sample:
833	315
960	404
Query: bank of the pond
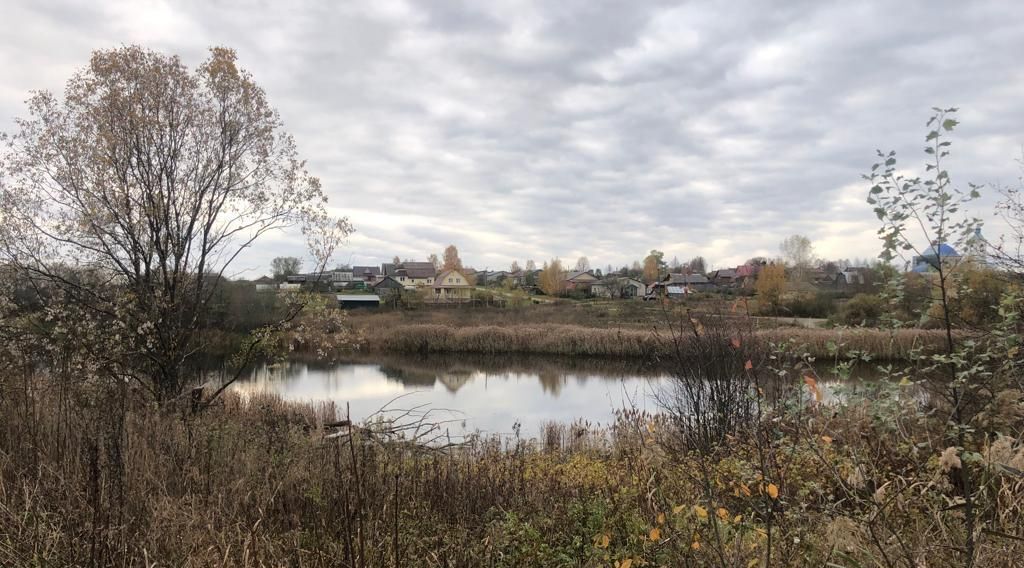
259	481
571	340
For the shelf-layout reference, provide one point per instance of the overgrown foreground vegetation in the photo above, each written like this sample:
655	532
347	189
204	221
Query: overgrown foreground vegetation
89	478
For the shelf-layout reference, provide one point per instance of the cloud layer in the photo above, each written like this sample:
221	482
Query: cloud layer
524	130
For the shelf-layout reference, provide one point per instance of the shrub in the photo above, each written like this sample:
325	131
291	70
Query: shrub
816	305
862	310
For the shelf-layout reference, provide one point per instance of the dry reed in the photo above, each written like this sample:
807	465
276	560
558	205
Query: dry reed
570	340
89	477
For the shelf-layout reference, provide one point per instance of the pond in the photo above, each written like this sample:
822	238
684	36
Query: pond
489	394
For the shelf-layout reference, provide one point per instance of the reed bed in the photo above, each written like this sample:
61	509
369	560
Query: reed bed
89	477
571	340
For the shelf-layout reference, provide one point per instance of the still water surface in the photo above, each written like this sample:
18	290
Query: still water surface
489	394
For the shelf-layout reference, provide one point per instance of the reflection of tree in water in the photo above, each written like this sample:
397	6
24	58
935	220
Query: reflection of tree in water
454	380
552	381
410	377
284	372
455	370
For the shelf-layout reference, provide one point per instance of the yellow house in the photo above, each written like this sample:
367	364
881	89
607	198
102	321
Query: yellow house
411	274
451	286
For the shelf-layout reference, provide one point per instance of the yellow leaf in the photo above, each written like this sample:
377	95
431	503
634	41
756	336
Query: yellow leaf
737	519
722	513
655	534
753	562
773	491
695	545
661	518
826	439
603	541
745	489
812	384
650	427
678	509
702	513
625	563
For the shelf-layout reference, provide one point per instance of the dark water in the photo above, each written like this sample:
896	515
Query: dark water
489	394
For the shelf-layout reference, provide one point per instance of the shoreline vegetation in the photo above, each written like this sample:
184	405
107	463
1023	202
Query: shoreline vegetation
574	340
256	480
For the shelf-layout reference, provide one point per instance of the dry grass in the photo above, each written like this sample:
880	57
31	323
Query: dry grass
574	340
87	477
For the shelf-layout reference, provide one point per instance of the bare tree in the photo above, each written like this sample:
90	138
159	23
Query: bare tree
130	198
285	266
531	265
583	264
514	268
697	265
432	259
616	286
798	252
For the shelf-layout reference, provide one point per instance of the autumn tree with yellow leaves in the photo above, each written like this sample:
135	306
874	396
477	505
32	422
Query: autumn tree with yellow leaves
552	278
770	286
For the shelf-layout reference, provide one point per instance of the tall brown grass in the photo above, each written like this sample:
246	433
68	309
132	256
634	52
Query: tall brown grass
91	476
572	340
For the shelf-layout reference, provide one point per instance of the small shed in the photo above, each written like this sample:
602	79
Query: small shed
355	301
387	286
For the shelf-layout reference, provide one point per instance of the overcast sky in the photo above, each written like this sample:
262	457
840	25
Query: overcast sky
520	130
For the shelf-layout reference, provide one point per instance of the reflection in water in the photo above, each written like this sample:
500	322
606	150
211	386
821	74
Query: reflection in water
489	394
486	393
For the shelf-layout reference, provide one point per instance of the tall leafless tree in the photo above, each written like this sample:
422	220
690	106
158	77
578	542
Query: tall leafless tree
128	200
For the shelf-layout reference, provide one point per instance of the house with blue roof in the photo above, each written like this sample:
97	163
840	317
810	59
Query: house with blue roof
929	260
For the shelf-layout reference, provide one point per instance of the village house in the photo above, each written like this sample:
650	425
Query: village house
854	279
746	275
366	273
932	256
265	284
411	274
724	278
618	287
526	279
493	277
387	287
340	276
451	286
677	285
579	281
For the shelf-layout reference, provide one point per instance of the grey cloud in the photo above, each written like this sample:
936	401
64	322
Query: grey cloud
531	130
